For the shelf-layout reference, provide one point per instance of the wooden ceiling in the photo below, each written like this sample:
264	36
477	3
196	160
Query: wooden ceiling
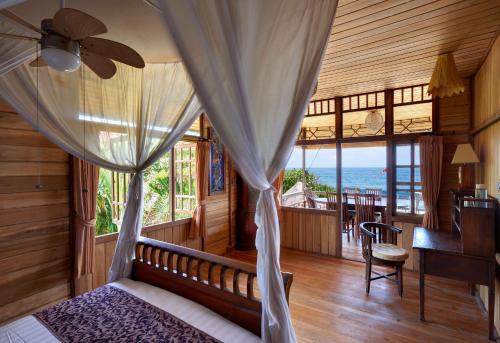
377	44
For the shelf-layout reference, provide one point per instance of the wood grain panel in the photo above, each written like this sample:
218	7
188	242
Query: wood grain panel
35	258
309	230
487	142
376	45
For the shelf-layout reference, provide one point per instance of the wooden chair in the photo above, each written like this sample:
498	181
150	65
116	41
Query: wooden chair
349	217
379	247
377	192
365	210
310	198
351	191
331	201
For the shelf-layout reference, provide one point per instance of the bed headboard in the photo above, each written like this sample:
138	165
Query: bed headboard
203	278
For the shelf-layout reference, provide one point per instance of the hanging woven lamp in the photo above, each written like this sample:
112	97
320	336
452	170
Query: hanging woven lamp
374	120
445	79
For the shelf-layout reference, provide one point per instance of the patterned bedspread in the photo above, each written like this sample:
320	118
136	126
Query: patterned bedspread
109	314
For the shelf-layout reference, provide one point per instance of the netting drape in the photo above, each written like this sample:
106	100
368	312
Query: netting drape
15	52
254	65
124	123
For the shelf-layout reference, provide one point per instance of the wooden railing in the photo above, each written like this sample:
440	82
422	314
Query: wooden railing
310	230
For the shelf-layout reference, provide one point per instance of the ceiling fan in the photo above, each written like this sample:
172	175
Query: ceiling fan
67	40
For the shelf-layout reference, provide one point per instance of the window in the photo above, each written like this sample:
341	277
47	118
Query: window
185	179
356	112
408	185
412	110
158	202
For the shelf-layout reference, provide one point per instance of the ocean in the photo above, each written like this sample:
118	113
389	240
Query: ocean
361	177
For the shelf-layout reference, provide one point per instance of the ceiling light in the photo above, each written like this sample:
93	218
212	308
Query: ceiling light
445	80
374	120
60	53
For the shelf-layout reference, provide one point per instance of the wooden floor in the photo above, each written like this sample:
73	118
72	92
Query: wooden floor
328	304
351	250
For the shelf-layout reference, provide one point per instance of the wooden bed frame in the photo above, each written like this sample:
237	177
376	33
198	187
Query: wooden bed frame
202	278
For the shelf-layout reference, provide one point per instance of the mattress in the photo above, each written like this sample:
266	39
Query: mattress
30	329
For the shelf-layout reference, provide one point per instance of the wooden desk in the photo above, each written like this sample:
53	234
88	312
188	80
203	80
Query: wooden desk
441	254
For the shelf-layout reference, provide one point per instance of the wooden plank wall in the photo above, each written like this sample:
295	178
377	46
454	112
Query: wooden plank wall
487	142
309	230
35	254
454	125
218	217
176	233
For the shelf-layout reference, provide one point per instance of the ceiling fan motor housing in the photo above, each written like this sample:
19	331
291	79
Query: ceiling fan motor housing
60	52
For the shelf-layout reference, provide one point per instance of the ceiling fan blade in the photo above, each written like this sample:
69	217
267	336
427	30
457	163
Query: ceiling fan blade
12	16
39	62
114	50
76	24
102	66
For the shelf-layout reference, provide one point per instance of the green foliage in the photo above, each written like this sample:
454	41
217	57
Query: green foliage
157	192
292	176
104	219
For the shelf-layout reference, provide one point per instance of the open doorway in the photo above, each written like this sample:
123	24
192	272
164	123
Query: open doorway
364	175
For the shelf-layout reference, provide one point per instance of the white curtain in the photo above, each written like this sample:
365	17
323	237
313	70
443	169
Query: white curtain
15	52
124	123
254	65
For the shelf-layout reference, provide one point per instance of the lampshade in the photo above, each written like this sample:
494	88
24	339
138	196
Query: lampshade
374	120
445	80
464	154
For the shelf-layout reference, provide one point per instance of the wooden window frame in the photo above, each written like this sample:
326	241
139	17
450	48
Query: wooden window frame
119	185
412	184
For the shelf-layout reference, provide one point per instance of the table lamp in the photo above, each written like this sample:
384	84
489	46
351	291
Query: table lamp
465	157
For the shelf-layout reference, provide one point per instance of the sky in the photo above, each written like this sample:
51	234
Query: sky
351	158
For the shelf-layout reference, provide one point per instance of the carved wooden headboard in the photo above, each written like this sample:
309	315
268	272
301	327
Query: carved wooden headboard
202	277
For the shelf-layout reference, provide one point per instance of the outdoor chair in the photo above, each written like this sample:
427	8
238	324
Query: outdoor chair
365	211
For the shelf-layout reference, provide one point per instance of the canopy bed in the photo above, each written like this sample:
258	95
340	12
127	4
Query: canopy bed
128	121
172	291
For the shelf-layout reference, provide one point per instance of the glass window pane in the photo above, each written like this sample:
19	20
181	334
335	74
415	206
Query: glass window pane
403	174
413	118
403	155
417	175
104	205
157	192
419	203
403	201
355	124
417	154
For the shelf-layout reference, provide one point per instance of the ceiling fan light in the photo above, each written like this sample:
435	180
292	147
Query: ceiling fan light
61	60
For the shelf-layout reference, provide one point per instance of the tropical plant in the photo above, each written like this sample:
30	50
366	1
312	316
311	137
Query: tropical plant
292	176
104	217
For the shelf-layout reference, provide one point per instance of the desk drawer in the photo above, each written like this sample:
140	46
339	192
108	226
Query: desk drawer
458	267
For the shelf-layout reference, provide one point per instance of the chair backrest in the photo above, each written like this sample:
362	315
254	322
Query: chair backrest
365	208
345	206
351	191
331	201
310	198
377	192
377	233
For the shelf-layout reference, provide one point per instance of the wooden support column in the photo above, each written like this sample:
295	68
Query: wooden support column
390	181
339	132
389	111
389	131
